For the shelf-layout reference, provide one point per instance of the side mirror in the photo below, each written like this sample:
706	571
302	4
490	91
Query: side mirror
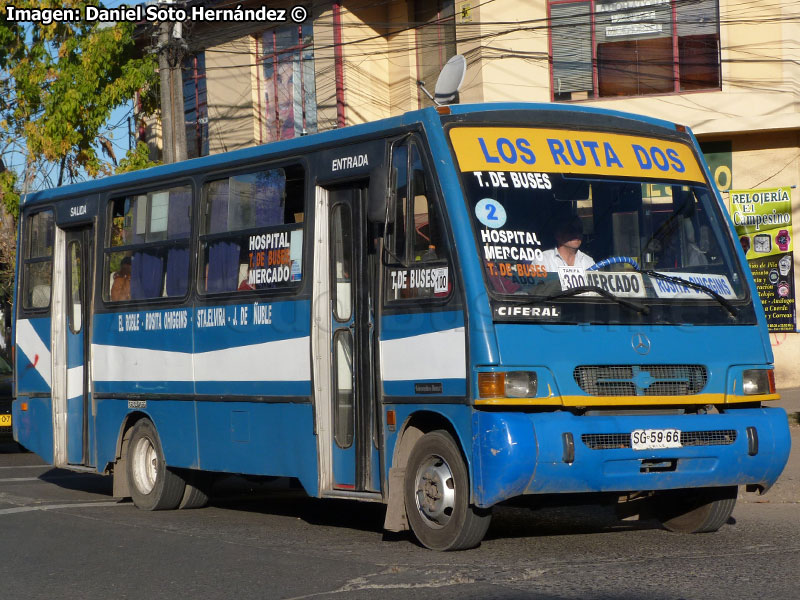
378	195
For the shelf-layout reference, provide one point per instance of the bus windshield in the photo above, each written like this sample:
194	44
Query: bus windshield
590	218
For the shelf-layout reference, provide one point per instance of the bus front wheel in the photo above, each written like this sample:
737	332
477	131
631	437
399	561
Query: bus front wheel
700	510
152	485
437	496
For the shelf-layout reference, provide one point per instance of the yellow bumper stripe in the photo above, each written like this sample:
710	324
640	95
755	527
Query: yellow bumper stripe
625	400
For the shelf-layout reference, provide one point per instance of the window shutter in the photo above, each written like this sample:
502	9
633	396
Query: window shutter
700	17
571	36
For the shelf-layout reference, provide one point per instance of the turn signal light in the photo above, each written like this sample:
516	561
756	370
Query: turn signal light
23	406
491	385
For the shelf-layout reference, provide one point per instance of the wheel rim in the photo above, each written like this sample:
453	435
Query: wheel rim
435	491
145	465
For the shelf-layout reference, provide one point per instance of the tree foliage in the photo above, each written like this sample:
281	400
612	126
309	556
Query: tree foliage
59	84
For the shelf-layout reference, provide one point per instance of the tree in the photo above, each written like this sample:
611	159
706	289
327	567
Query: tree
59	84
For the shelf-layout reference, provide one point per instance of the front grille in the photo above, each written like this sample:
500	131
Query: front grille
719	437
611	441
641	380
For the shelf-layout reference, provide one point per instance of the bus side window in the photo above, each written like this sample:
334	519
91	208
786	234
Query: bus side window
397	232
37	270
426	244
252	231
147	250
416	237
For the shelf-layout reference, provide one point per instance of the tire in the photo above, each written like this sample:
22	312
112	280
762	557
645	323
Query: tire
436	491
198	485
152	485
700	510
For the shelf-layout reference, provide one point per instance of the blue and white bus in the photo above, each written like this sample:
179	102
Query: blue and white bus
440	311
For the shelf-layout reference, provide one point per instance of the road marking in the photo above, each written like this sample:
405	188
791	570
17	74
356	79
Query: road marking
44	478
21	509
439	578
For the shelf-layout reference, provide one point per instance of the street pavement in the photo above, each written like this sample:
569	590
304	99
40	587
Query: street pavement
790	400
63	535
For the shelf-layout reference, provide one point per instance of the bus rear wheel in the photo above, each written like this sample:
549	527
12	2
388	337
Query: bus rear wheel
698	510
152	485
198	484
437	496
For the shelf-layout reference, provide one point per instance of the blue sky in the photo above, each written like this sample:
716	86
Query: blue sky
119	118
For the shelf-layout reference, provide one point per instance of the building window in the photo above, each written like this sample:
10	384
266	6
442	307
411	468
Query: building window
195	105
287	88
605	48
436	41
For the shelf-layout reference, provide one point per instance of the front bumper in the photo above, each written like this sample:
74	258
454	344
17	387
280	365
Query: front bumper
518	453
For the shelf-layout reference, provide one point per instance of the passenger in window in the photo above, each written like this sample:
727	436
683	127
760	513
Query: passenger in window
568	233
708	245
244	276
121	288
695	255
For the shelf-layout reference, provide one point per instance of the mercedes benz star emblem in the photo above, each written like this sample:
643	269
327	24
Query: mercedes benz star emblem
640	343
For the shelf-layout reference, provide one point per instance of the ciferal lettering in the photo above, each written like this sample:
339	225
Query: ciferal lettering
528	311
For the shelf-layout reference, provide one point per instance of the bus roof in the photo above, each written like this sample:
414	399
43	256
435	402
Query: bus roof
335	136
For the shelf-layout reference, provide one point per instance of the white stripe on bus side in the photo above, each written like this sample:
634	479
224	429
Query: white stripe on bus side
121	363
32	346
437	355
75	382
281	360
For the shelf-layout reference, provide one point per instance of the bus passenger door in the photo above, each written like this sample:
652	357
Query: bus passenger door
77	299
354	451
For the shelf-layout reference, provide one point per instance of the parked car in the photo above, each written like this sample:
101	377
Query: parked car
6	396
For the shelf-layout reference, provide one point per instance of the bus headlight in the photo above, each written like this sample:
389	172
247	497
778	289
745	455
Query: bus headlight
508	384
758	381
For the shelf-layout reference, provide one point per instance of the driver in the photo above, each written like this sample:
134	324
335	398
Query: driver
569	237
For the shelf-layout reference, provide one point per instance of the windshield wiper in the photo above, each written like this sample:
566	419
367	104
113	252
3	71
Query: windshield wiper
640	308
695	286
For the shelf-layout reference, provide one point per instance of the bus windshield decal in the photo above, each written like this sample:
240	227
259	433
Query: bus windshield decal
671	289
499	150
620	284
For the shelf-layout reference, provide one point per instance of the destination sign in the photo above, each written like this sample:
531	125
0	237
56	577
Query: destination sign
520	149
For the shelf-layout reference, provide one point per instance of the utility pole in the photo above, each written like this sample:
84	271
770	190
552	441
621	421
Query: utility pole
171	48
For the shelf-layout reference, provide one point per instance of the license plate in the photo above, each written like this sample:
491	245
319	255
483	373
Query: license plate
652	439
5	420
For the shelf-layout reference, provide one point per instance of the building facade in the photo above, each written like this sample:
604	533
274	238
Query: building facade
729	69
